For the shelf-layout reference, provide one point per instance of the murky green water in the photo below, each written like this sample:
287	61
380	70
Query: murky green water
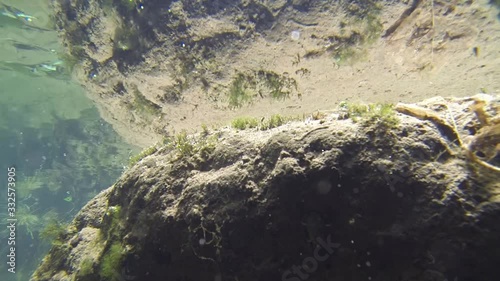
63	153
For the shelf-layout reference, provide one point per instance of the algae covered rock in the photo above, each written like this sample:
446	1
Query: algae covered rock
328	199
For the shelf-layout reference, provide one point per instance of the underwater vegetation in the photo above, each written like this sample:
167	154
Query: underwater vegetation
27	220
112	224
27	185
53	231
57	255
239	91
369	114
143	105
379	114
357	33
86	267
182	143
111	262
242	123
279	86
146	152
185	145
276	120
349	49
245	87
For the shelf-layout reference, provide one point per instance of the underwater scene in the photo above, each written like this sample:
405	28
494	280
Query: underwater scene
250	140
53	141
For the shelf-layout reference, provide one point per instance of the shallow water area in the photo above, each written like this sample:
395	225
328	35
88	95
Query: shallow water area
62	153
290	121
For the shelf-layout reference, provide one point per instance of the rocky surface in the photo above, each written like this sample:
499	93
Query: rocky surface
381	196
155	68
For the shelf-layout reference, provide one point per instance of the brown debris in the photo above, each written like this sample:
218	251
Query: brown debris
483	146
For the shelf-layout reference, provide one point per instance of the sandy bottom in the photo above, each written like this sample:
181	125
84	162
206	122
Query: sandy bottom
461	58
455	53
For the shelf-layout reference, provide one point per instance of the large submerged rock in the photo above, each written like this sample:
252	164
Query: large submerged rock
362	193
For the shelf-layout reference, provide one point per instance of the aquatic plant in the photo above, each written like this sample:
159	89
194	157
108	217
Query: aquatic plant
27	220
242	123
365	30
274	121
182	144
206	146
264	83
53	232
86	267
113	223
142	105
202	144
372	27
204	130
114	212
376	113
26	185
279	86
146	152
110	262
239	91
55	259
347	54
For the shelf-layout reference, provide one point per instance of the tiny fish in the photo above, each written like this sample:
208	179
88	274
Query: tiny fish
15	13
21	17
27	47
